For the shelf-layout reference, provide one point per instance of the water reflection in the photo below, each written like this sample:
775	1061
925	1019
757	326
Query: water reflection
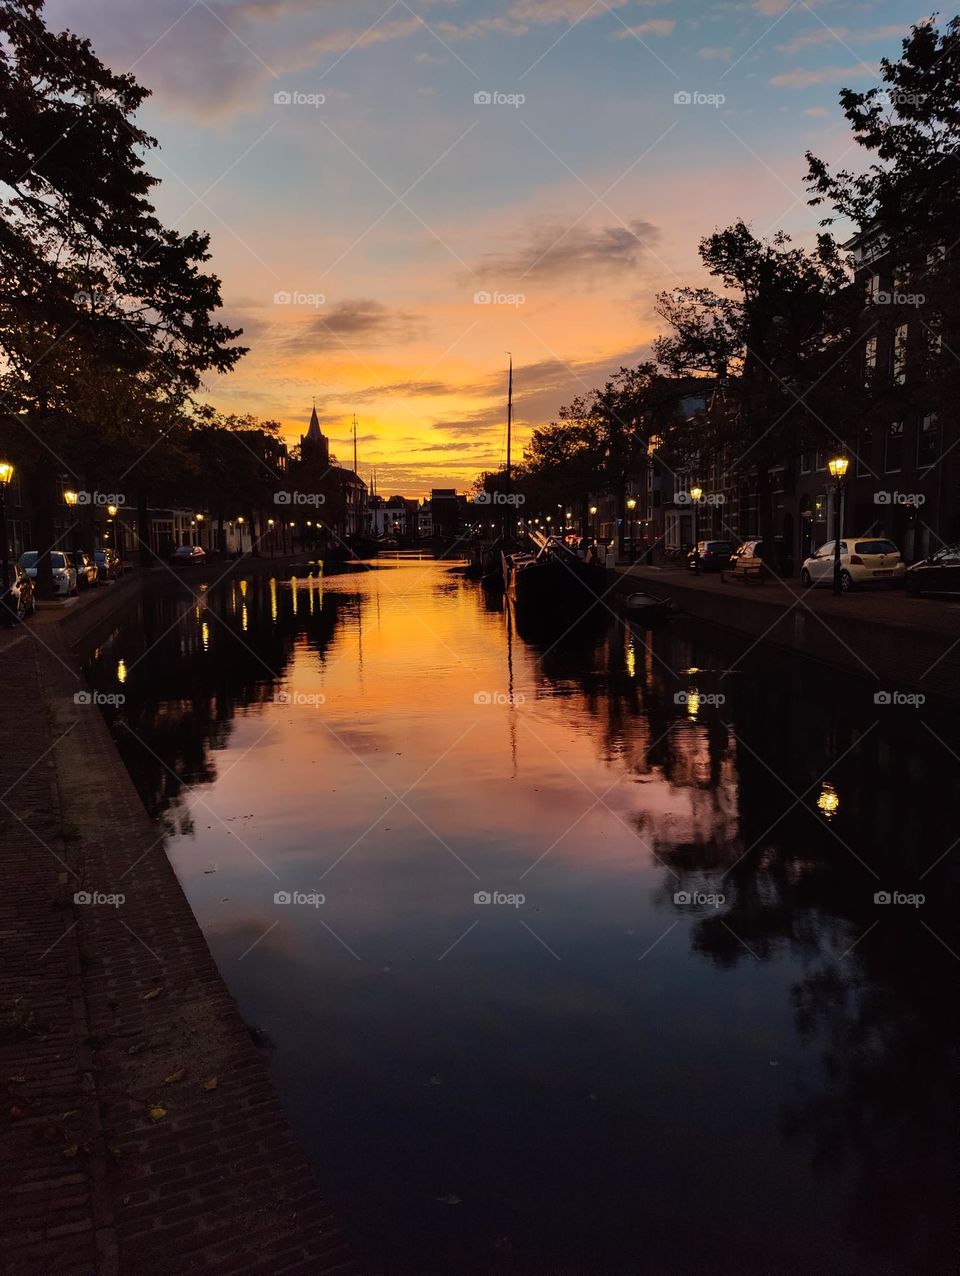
697	1045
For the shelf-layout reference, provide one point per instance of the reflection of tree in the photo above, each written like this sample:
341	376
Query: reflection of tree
202	664
873	1001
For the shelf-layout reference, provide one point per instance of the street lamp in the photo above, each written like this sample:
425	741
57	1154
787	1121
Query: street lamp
696	495
631	506
593	514
70	497
838	471
6	477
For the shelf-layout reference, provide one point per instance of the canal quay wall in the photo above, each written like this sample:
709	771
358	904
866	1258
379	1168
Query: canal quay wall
899	643
142	1131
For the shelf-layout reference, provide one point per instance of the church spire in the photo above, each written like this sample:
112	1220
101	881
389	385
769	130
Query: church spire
313	429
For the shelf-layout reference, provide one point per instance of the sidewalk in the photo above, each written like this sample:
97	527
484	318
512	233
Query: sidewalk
879	633
143	1134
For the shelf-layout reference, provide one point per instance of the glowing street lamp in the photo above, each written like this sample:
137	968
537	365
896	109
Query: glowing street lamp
828	801
6	478
70	497
112	511
838	466
696	495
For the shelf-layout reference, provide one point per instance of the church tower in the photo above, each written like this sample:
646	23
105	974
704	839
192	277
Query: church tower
314	445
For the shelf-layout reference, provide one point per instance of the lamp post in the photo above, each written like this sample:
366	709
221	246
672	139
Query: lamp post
6	477
631	506
838	471
696	495
593	515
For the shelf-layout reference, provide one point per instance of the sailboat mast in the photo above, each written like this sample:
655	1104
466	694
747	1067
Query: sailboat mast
509	418
355	443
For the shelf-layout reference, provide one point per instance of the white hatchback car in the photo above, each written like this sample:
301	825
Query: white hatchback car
64	572
864	560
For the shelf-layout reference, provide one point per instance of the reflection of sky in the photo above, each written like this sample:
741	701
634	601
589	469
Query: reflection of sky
587	200
596	1074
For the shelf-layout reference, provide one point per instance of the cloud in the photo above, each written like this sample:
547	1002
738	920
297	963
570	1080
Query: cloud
555	253
817	112
715	55
656	26
356	323
843	35
549	11
800	79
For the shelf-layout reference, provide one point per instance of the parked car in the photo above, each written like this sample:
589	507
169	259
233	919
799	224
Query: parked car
185	555
19	600
746	561
109	563
866	560
64	573
711	556
938	574
88	574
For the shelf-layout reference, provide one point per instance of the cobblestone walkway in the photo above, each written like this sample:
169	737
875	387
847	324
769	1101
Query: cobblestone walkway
142	1132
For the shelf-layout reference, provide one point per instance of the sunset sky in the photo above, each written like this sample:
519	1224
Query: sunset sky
384	209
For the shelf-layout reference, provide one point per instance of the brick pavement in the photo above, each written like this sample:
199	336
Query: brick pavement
142	1132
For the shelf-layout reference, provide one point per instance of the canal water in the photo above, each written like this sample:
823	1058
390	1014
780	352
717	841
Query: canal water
564	948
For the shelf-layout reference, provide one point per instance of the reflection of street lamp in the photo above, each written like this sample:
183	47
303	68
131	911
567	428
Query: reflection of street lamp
829	800
6	477
696	495
838	471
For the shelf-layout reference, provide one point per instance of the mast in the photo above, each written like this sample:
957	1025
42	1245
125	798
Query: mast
509	417
355	443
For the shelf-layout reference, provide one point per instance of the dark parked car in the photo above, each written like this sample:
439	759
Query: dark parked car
186	555
109	564
938	574
19	601
87	571
710	556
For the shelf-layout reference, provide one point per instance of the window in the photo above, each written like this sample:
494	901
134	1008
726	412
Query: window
864	452
875	547
820	460
928	441
893	448
869	358
873	288
900	354
806	462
